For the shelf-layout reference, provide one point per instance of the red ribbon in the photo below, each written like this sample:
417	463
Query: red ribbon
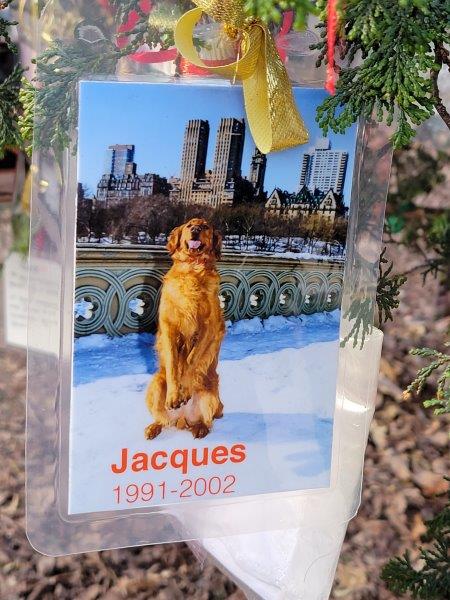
332	22
144	56
286	26
158	56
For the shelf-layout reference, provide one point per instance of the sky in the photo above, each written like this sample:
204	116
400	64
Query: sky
153	116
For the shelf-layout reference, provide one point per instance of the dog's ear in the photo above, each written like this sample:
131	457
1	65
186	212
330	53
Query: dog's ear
217	244
173	241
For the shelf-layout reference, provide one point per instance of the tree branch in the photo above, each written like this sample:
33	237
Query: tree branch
442	56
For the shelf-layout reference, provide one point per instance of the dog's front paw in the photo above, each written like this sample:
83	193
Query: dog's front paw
184	395
173	400
153	430
199	430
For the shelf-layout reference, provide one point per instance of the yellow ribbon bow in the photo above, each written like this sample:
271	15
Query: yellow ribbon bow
271	110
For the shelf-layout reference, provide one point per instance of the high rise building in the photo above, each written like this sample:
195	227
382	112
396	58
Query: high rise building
193	158
229	148
258	172
324	169
122	181
227	160
122	159
223	184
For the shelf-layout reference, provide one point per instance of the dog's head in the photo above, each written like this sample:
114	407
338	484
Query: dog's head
196	239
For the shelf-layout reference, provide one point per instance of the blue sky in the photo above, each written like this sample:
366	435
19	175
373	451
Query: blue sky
153	118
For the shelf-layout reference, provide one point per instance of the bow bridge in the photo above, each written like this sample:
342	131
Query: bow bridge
118	288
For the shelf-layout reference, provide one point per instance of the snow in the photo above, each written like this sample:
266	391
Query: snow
288	247
291	248
306	256
277	380
82	308
98	355
136	305
245	326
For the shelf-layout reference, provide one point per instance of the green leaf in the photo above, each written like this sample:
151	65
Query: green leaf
395	223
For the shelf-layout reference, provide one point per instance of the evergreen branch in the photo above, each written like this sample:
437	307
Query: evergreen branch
60	68
122	8
10	107
9	111
25	120
431	581
4	28
388	290
394	79
154	28
441	55
440	524
440	365
362	307
271	11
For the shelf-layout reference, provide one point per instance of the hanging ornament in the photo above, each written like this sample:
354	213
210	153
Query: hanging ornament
272	114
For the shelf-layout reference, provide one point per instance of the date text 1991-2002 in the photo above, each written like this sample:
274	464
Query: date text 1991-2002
188	488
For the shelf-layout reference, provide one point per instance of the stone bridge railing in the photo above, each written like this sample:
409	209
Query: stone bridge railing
118	288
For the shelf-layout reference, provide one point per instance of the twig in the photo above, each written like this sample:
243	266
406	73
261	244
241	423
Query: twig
442	57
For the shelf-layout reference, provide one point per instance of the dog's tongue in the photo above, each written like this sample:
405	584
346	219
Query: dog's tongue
194	244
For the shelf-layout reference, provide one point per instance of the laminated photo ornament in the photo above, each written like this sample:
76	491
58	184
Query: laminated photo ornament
202	242
225	306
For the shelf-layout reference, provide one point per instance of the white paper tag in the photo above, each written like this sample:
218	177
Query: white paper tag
15	281
44	307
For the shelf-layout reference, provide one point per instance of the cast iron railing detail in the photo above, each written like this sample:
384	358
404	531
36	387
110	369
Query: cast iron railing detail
115	295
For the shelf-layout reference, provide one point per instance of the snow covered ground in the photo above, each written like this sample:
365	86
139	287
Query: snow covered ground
277	380
294	247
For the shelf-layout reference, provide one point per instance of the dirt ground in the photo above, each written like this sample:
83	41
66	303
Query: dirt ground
405	456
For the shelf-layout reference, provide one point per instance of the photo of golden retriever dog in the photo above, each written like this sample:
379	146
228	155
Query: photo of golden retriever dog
185	391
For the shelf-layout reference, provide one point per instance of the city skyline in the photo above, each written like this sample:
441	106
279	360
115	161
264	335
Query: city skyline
226	184
323	169
109	127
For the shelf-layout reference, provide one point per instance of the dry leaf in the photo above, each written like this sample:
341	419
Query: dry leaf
430	483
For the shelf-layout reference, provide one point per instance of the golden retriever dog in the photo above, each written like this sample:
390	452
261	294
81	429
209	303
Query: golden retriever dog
185	391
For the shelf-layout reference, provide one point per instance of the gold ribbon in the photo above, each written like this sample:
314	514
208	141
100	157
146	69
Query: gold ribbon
271	110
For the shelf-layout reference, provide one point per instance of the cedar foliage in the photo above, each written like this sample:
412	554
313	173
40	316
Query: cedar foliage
392	51
438	365
10	135
388	290
271	11
431	581
399	44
